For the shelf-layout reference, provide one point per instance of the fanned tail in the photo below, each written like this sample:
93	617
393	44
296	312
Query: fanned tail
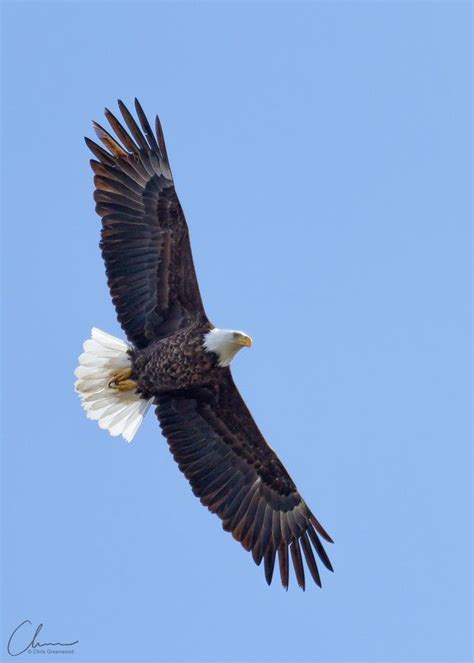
120	412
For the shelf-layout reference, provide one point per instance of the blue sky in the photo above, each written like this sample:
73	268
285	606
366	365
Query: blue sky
321	152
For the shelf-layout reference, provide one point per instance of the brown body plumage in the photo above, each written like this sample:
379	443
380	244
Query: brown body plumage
178	361
210	431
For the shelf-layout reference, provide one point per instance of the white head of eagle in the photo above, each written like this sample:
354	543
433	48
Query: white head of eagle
225	343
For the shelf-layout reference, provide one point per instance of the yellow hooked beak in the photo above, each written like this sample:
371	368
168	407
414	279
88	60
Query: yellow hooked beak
245	341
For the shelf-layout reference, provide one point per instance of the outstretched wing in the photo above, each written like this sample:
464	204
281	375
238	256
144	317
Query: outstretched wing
234	472
145	239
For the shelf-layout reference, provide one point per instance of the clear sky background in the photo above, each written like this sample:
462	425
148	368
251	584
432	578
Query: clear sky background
321	152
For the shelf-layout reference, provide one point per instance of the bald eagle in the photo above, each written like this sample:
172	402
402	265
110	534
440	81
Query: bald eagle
177	360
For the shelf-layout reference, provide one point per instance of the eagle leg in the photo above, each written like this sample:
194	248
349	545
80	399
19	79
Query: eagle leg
120	380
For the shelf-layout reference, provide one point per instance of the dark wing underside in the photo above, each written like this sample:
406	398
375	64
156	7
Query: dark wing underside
234	472
145	239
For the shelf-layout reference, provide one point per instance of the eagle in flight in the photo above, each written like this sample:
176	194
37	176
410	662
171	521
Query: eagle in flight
177	360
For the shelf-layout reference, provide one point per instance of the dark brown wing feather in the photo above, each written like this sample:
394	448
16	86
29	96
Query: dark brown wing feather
234	472
145	239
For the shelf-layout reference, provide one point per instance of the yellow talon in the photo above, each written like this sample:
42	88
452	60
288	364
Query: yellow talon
120	380
127	385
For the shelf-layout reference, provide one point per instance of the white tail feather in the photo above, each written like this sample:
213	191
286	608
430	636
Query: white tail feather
120	412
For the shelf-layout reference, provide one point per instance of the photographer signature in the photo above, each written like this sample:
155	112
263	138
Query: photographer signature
33	642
